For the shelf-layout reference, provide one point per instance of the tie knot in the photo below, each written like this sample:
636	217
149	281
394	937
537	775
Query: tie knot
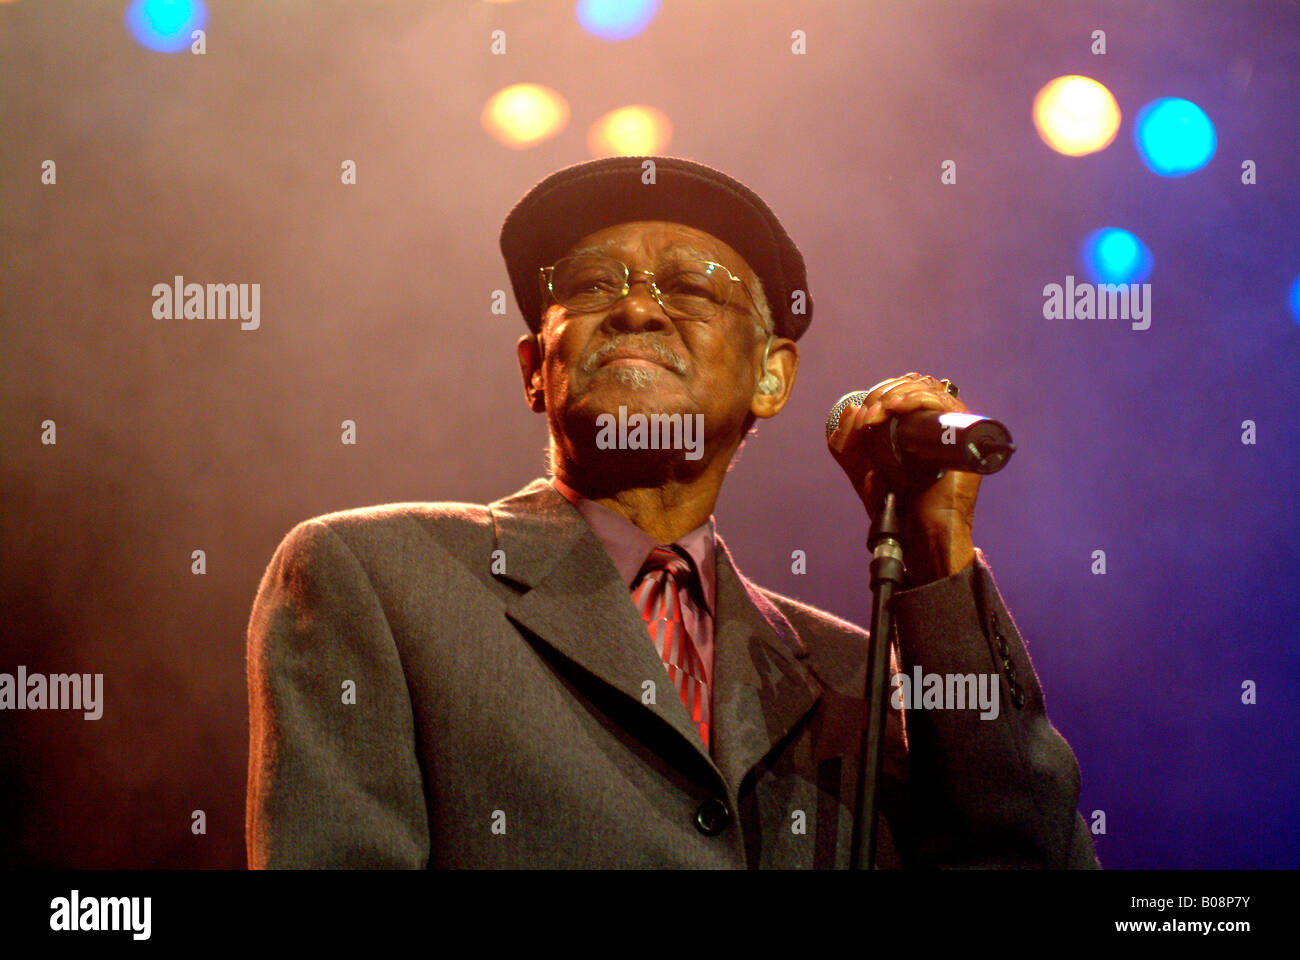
668	559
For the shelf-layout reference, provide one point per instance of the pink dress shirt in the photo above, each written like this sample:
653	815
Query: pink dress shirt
628	546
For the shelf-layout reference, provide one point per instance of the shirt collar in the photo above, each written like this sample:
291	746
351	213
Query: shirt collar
628	545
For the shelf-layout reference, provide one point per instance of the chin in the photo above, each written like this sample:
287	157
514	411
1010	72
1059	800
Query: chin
636	376
635	396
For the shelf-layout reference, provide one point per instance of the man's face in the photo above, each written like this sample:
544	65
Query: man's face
632	354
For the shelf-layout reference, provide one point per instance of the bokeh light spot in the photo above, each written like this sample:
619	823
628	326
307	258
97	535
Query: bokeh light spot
1174	137
1076	116
525	114
165	25
615	19
631	131
1112	255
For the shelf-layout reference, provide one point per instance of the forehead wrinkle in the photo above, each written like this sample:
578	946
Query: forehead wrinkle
675	249
698	254
595	248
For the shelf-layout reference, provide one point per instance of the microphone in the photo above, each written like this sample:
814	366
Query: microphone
925	441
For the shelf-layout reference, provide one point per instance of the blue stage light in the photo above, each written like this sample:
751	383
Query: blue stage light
1112	255
615	19
1174	137
1295	298
165	25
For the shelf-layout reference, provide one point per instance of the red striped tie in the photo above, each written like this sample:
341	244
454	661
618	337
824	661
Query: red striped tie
663	575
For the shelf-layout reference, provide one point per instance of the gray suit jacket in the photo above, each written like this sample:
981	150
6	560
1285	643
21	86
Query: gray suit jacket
454	685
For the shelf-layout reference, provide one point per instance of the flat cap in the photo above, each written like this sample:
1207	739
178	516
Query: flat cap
586	197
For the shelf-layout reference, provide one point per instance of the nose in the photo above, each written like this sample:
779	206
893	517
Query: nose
639	309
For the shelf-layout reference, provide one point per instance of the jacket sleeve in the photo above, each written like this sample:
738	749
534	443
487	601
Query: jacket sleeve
333	777
991	791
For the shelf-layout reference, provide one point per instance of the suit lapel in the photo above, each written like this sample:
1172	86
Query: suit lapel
573	598
761	689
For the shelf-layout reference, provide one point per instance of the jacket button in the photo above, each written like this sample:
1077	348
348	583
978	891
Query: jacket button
712	817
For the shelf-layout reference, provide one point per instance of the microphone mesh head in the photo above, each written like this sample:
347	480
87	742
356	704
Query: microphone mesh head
833	421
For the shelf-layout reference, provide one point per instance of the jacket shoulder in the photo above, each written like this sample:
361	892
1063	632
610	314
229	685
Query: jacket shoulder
390	525
818	622
437	514
836	647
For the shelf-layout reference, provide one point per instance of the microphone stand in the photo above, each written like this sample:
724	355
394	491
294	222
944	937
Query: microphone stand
983	446
886	574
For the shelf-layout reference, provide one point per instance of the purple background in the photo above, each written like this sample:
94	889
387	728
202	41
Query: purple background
177	435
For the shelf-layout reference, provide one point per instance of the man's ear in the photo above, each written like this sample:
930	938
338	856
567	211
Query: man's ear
529	351
779	366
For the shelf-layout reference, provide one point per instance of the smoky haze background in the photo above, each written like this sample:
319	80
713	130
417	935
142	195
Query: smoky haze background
193	434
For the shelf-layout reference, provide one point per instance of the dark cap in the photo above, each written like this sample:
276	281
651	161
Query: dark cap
581	199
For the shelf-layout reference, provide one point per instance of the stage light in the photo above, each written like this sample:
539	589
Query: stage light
525	114
165	25
1295	298
634	131
1112	255
615	19
1174	137
1076	116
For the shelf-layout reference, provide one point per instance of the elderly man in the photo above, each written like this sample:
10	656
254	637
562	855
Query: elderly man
578	675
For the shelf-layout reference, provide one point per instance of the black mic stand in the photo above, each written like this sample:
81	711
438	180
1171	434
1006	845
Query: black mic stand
886	574
984	446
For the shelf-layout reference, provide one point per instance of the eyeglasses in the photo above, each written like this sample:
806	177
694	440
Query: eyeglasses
687	289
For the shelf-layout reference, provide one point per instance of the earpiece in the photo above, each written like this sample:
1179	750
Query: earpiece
769	383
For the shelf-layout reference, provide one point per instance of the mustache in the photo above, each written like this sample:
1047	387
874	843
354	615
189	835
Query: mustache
653	346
